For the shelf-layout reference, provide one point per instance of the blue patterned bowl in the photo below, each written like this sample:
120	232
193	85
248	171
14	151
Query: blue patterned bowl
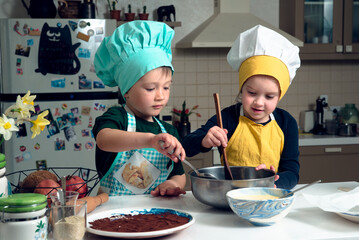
251	205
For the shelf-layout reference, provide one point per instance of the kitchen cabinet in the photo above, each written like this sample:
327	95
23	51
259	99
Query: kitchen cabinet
330	163
199	161
328	28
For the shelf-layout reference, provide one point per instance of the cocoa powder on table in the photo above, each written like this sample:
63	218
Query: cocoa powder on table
139	223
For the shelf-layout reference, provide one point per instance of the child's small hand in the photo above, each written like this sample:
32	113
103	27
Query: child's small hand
215	137
263	166
169	145
167	188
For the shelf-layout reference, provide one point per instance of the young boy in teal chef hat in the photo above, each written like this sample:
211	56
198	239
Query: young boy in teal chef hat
135	152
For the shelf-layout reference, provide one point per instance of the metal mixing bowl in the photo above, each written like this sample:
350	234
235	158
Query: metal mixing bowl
213	192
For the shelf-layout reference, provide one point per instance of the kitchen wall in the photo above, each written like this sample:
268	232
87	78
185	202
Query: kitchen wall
201	72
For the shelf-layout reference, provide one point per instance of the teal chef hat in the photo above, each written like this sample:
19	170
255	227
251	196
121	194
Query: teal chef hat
134	49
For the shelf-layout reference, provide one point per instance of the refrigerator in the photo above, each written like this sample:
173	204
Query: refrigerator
53	58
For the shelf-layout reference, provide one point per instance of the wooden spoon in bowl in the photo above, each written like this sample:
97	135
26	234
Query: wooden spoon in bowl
227	169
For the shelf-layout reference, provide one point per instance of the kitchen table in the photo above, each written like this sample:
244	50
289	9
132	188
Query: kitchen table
304	221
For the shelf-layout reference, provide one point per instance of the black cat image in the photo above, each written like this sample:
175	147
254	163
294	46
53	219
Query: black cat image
56	52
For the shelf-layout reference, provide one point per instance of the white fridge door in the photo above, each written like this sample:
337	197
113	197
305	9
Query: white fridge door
51	55
66	142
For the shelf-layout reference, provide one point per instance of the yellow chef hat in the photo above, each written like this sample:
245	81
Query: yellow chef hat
262	51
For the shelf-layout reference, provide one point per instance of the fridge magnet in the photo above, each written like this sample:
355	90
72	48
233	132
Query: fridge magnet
25	29
52	128
34	32
58	83
90	122
19	158
98	84
41	165
64	106
30	42
56	53
85	133
99	30
84	53
22	131
18	62
22	148
19	71
71	119
99	107
84	24
22	51
77	146
90	32
75	111
85	110
98	39
70	133
83	36
84	83
61	122
37	146
92	68
27	156
89	145
37	110
59	144
57	112
73	25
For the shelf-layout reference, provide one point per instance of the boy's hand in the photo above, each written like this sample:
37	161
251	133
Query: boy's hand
169	145
167	188
215	137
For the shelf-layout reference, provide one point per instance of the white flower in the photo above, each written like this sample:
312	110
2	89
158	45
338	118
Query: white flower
7	126
21	109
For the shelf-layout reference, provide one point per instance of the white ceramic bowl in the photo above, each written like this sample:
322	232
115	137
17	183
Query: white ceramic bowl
262	212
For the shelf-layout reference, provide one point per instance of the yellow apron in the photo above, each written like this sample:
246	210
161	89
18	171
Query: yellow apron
253	144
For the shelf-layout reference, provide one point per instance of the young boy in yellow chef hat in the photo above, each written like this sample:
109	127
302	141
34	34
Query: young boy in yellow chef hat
256	133
132	145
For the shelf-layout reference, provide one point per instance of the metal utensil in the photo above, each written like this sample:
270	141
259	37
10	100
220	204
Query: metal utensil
227	169
301	188
199	174
204	175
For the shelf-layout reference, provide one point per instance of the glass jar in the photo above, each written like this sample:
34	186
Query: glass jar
349	113
23	216
3	179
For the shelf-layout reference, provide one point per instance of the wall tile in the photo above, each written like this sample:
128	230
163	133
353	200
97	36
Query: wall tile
201	72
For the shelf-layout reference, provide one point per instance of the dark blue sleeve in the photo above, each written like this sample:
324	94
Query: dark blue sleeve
288	169
192	143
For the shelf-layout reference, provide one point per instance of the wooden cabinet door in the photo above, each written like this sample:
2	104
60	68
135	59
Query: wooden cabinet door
329	163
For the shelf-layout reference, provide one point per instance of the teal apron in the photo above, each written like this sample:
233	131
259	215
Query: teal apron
137	171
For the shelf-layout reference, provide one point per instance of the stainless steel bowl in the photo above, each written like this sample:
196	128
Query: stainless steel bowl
213	192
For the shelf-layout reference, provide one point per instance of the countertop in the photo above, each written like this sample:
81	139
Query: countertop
320	140
304	221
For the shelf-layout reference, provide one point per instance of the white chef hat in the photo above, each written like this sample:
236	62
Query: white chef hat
262	51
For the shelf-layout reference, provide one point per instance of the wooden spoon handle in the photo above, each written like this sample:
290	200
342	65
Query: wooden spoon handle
220	124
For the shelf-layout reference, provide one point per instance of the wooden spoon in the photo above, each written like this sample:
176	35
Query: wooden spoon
227	169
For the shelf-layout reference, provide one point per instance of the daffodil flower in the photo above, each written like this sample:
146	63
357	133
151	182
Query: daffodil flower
39	124
22	107
28	99
7	126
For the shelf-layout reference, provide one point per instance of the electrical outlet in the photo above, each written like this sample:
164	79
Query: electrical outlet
325	97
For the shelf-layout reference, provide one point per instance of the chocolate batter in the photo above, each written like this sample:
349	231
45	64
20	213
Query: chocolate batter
139	223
